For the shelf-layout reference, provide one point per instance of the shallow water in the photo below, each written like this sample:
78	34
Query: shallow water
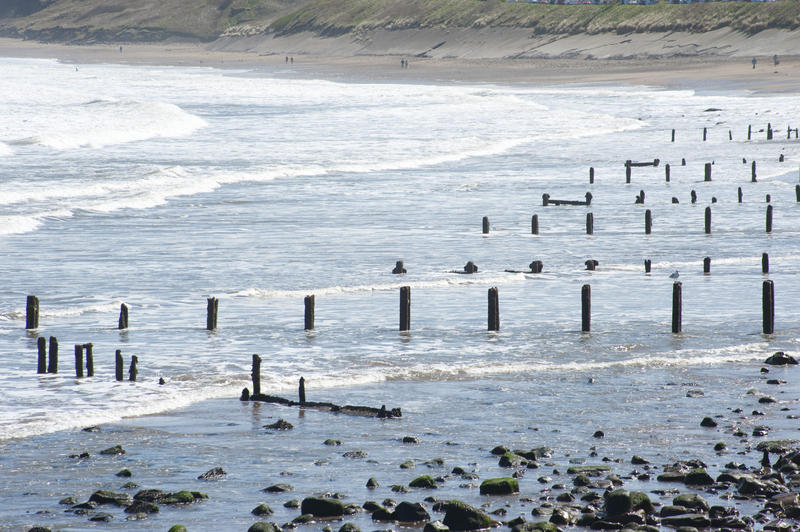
159	187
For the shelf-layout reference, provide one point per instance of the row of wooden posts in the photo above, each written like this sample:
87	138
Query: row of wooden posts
48	360
629	164
769	133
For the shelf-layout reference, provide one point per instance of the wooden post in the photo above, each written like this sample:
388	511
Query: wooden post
683	161
768	306
673	135
399	267
308	301
764	263
256	375
628	171
123	316
405	308
211	313
694	196
797	193
301	391
494	310
536	266
753	172
52	356
769	131
708	220
78	360
485	225
730	135
769	218
705	133
41	344
648	221
586	308
768	198
666	172
118	363
591	264
89	348
740	194
749	131
591	175
707	172
535	223
32	313
132	371
707	265
677	307
589	223
647	265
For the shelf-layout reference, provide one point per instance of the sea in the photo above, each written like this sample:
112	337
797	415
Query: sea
159	187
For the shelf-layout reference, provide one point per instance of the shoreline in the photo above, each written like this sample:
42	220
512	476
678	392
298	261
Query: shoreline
690	72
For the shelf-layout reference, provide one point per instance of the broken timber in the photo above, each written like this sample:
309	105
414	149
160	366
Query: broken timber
547	201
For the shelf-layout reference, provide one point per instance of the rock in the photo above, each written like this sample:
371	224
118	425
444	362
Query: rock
565	497
408	464
777	446
371	506
117	449
407	512
638	460
111	497
500	450
588	470
383	514
499	486
537	453
623	501
410	439
319	507
720	446
694	393
582	480
751	486
372	483
561	516
708	422
125	473
435	462
213	474
670	510
355	454
399	488
69	501
181	528
540	526
349	527
462	516
101	517
692	501
39	529
670	476
142	507
424	481
760	430
278	488
698	477
293	503
281	424
332	442
694	520
767	399
598	434
435	526
262	509
263	526
780	359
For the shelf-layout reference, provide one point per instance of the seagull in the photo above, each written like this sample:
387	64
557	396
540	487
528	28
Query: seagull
674	275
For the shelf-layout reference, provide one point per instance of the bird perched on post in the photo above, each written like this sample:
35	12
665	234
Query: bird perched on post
674	275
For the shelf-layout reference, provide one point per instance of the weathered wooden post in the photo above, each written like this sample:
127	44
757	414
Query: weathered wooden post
769	218
586	308
41	344
769	131
485	225
589	223
89	348
753	172
797	193
308	301
591	175
740	194
591	264
32	313
648	221
405	308
132	371
123	316
673	135
707	175
708	220
647	264
749	131
677	306
768	306
494	309
211	313
666	172
765	263
730	135
52	356
535	224
256	375
78	360
683	161
768	198
707	265
628	171
118	365
536	266
545	199
705	133
781	158
694	196
301	391
675	200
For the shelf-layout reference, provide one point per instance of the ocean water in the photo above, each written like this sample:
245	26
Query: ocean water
158	187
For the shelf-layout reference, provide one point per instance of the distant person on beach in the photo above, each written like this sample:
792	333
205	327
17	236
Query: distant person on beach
775	60
291	60
287	58
754	63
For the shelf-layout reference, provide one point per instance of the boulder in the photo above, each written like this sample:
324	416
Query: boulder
263	526
111	497
692	501
180	528
281	424
142	507
408	512
183	497
117	449
780	359
332	442
462	516
150	495
499	486
425	481
670	510
372	483
698	477
435	526
509	459
349	527
320	507
124	473
708	422
262	509
383	514
213	474
278	488
623	501
693	520
588	470
408	464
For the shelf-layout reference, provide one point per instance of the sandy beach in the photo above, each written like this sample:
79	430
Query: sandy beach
700	72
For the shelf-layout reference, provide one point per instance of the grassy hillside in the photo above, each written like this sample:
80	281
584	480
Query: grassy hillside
205	20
